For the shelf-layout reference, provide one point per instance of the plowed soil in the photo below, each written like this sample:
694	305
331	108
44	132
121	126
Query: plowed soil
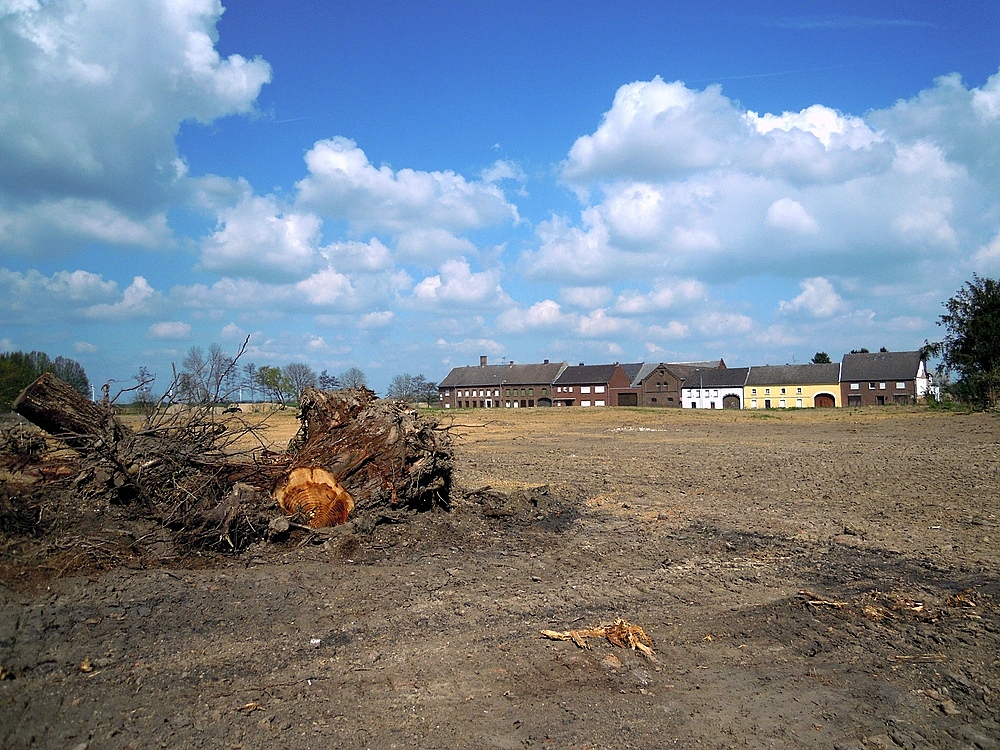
810	579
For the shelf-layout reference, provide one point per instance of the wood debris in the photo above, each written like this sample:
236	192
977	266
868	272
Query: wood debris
620	633
814	601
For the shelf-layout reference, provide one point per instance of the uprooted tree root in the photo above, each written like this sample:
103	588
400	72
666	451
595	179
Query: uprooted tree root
180	472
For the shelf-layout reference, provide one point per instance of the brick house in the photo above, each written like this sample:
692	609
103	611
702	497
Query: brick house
660	383
499	386
590	385
879	378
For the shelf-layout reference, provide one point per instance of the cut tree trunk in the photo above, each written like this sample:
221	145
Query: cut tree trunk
60	410
384	454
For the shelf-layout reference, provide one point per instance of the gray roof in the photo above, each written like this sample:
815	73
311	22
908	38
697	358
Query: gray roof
586	374
476	376
798	374
717	377
642	373
881	366
632	370
680	369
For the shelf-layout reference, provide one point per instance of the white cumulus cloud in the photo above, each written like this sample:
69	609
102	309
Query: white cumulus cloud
818	298
169	330
101	90
344	184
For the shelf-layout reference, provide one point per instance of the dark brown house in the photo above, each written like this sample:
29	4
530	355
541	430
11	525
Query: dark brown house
590	385
660	383
879	378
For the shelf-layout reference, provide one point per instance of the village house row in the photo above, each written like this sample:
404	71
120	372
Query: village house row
869	379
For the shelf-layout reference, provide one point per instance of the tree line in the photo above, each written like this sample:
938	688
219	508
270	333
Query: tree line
213	376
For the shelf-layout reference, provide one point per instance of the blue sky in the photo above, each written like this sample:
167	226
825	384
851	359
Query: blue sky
405	186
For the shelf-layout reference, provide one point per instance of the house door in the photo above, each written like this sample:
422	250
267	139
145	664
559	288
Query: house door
824	401
628	399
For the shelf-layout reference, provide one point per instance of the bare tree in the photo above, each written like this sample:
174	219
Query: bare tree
353	378
301	376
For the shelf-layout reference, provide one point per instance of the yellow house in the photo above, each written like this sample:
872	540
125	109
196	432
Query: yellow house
792	386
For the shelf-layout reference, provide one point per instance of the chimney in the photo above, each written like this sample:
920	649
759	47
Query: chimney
545	362
482	360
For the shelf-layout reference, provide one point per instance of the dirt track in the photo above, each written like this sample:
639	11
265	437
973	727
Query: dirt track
822	579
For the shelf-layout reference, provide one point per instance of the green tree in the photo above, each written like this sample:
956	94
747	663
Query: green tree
275	384
971	347
820	358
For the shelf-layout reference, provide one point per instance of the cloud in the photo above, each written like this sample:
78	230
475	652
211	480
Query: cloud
31	296
359	257
586	296
986	261
599	323
663	131
378	319
258	238
963	123
139	299
546	314
101	90
791	216
328	288
663	296
456	284
818	298
343	184
169	330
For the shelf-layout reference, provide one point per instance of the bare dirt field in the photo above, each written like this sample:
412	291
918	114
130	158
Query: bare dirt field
809	579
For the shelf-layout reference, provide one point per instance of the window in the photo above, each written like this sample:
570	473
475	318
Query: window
855	386
600	403
767	390
544	391
871	386
697	394
881	386
753	391
782	391
798	390
599	389
584	389
900	385
584	403
531	391
715	393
